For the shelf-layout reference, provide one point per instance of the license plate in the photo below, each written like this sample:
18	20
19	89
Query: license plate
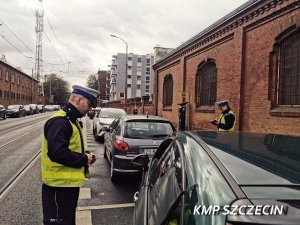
149	151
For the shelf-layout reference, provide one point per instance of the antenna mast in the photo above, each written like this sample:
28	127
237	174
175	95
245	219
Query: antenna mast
39	28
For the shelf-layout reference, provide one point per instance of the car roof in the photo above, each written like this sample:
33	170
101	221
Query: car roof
256	158
111	109
143	117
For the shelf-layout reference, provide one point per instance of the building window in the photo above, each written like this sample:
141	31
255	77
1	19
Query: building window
129	58
128	76
0	73
129	67
206	84
139	59
138	86
0	93
147	78
138	77
167	91
18	80
13	78
7	75
148	62
289	70
129	85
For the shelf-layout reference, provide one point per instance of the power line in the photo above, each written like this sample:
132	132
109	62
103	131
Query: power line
56	37
16	36
15	48
54	48
51	28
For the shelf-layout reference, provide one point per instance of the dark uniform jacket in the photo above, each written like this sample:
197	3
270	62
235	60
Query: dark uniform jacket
58	132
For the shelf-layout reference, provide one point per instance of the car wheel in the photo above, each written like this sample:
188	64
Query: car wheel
96	137
113	175
105	154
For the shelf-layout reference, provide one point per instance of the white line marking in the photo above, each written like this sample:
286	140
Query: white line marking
115	206
84	218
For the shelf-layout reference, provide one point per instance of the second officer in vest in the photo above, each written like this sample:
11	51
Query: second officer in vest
64	159
226	120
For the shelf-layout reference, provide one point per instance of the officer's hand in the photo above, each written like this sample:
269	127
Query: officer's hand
214	122
91	158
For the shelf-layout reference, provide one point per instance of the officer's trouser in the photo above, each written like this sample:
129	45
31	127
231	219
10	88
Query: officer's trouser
59	205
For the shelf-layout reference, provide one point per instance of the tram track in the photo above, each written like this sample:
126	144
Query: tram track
11	127
10	184
18	138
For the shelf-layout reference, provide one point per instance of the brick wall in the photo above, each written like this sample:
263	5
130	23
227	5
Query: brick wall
21	90
241	48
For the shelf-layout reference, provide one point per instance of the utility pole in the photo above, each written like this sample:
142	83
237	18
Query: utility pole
39	28
31	85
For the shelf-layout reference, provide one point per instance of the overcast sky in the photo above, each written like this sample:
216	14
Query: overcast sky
83	29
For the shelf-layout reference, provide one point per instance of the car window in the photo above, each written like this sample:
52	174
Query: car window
165	184
118	129
114	125
208	187
112	113
147	129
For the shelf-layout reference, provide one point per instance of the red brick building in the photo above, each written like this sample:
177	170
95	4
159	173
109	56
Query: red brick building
103	78
251	57
16	87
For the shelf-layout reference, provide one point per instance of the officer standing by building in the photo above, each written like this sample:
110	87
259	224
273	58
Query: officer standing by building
64	159
226	120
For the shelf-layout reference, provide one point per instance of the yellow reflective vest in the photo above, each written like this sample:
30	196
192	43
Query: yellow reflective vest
222	121
58	175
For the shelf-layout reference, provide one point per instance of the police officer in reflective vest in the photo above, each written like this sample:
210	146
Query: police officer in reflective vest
226	121
64	159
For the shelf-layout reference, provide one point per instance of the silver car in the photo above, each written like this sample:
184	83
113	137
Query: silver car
103	118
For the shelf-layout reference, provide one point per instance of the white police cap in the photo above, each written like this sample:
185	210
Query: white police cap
88	93
223	102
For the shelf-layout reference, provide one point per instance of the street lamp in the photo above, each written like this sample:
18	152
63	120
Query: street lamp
114	36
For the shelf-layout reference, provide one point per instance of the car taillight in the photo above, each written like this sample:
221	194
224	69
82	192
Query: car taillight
121	145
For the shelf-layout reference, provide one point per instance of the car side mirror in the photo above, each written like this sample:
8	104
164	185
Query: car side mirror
105	129
141	160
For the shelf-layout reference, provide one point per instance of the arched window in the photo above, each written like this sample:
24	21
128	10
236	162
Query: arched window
206	84
288	61
168	91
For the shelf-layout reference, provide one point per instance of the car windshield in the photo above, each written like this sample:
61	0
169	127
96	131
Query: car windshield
113	113
13	107
147	129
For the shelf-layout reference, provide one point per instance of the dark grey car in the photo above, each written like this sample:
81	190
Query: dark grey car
2	112
15	111
209	177
131	135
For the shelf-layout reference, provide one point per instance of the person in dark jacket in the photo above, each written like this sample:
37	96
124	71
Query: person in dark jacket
226	121
64	159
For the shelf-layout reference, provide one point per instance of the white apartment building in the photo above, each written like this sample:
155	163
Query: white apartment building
139	76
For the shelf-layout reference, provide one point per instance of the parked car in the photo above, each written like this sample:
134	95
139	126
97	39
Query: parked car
15	111
28	109
191	171
56	107
49	108
131	135
91	114
2	112
41	108
104	118
34	108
